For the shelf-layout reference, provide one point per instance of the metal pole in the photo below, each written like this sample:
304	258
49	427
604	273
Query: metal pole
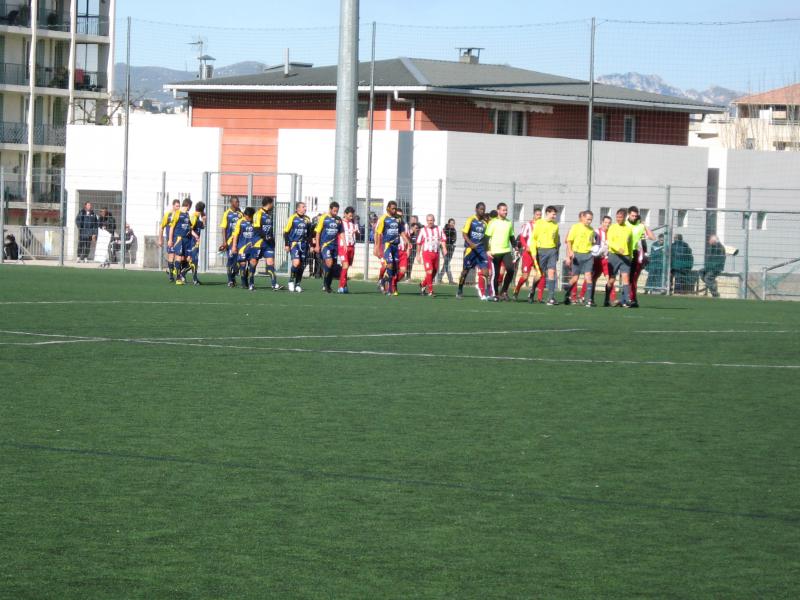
206	194
668	242
127	132
292	207
764	284
368	195
746	243
589	127
63	209
439	215
250	189
2	209
162	208
344	184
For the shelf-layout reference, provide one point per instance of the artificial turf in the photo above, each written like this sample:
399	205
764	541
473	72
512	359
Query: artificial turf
629	454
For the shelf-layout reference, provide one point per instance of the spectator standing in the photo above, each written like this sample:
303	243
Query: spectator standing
87	225
681	263
107	221
714	264
450	237
10	248
655	266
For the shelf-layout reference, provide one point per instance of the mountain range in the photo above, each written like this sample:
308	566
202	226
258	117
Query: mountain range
148	82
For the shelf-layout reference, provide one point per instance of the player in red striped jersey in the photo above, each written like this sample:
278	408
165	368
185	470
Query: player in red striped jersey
527	261
429	240
347	251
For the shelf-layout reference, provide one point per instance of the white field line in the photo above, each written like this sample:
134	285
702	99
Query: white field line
531	359
363	335
172	303
713	331
57	339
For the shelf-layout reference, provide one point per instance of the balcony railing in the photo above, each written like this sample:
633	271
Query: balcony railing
13	74
92	25
14	14
53	77
13	133
92	81
50	135
53	21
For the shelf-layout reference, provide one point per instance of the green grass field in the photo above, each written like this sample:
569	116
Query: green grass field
167	442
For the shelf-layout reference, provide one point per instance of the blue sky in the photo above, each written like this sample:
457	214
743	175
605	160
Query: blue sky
744	57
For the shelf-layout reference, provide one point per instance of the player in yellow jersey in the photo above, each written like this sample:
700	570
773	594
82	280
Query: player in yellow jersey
163	238
620	255
580	239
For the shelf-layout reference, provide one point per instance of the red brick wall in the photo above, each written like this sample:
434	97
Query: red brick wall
250	124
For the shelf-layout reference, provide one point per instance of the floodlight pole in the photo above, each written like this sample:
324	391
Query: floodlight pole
344	182
589	127
368	195
125	149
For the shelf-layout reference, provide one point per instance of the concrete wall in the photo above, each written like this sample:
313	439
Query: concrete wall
157	143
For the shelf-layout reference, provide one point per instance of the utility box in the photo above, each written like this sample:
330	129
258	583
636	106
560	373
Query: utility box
152	252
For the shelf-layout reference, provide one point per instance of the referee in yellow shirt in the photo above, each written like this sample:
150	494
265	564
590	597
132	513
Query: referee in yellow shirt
620	256
543	245
500	232
580	240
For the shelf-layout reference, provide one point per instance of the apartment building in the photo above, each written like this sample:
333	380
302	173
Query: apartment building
56	67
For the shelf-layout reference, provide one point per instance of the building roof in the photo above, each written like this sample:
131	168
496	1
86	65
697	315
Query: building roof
789	95
450	77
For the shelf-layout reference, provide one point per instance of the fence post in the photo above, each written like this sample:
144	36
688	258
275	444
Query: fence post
764	284
668	241
439	215
162	208
250	189
292	207
2	210
63	210
206	195
746	242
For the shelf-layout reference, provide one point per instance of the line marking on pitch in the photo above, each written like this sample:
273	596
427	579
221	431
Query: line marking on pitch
531	359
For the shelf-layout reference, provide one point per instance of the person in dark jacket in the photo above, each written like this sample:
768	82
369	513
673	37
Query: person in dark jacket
107	221
87	225
714	264
681	263
10	248
450	238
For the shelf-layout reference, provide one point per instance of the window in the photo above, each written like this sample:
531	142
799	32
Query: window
683	218
644	215
510	122
363	115
629	129
604	211
761	220
599	127
750	144
539	207
519	212
662	217
560	218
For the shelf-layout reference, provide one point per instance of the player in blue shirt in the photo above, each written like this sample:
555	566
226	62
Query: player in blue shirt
328	237
228	222
475	255
166	222
180	230
198	223
246	246
295	240
389	230
264	222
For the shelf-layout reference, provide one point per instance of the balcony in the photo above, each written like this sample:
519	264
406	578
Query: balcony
15	15
13	74
92	25
53	21
90	81
13	133
52	77
50	135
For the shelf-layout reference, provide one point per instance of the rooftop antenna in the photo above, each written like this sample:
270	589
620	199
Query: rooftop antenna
470	55
206	71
